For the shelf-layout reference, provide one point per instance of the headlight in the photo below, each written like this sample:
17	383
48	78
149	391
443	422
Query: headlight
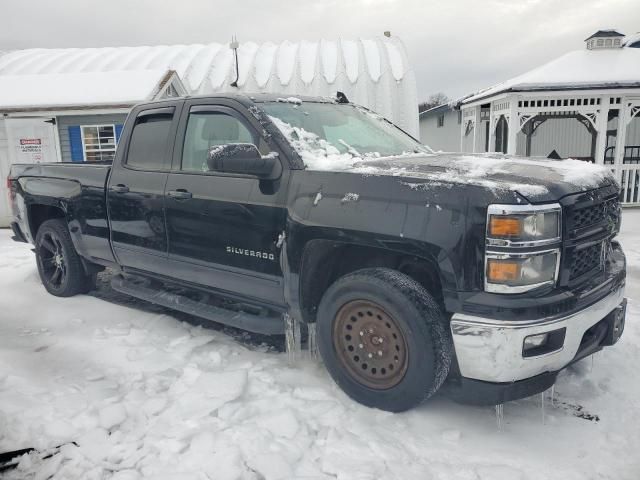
523	247
519	272
515	225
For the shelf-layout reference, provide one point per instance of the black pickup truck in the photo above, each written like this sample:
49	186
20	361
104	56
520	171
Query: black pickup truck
411	267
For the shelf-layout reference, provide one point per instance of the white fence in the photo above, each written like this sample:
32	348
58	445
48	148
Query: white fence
629	179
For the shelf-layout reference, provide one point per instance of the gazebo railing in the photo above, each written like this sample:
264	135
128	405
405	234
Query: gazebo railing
628	173
630	183
631	155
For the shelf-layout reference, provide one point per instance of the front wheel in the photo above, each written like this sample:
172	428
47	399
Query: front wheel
59	264
383	339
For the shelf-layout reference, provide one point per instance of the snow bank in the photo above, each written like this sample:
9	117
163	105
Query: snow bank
145	395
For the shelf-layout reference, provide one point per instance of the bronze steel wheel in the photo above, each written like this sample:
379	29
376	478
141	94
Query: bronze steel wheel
370	345
383	338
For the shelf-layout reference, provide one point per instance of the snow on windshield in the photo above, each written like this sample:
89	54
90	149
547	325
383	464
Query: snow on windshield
328	136
316	153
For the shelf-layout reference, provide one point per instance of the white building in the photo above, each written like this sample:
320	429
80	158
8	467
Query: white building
70	104
440	128
584	104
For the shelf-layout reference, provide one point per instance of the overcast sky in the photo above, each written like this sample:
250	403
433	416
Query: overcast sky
455	46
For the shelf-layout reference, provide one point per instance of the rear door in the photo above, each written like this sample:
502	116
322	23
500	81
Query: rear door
223	228
135	193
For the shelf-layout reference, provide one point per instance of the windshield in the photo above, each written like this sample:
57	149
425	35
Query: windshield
329	135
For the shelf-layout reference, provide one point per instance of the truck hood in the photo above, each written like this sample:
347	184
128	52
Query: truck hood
538	180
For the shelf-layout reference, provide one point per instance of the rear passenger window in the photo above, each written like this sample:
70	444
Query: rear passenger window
149	140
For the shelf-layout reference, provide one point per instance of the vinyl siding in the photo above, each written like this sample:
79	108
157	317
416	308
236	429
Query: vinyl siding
570	138
445	138
567	136
4	172
76	120
633	132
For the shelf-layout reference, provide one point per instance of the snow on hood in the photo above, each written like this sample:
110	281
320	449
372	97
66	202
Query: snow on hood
536	179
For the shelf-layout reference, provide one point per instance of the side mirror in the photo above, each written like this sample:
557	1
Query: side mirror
241	158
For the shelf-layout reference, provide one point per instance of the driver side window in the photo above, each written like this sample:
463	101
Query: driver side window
209	129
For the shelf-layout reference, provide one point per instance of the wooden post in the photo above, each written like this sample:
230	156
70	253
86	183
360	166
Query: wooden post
491	144
514	127
601	131
621	138
476	128
463	128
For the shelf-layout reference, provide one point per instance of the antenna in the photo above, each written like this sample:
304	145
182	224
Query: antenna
234	46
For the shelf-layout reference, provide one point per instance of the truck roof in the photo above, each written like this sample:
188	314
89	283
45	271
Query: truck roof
249	99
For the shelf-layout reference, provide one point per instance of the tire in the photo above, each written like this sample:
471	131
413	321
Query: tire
59	265
397	352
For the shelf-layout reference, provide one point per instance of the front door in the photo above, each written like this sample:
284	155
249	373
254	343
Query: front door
223	229
135	193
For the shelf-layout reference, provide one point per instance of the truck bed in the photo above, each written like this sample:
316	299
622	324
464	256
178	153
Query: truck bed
78	190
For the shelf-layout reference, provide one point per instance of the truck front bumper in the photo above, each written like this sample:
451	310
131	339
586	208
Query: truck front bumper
491	353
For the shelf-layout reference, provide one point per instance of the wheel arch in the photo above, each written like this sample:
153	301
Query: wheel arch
323	261
38	213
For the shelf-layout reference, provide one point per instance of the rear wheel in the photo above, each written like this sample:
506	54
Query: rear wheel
59	264
383	339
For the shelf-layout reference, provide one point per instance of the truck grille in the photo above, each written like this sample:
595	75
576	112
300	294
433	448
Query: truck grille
589	220
608	210
585	260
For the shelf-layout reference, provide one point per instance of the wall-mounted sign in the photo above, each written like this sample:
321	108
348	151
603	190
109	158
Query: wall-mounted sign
32	147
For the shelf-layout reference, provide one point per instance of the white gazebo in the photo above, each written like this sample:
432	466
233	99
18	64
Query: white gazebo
585	104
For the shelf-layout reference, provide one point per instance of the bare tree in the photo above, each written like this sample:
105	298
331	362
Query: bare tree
433	101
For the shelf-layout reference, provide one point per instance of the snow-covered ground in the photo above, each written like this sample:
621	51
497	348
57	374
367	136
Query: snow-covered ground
145	394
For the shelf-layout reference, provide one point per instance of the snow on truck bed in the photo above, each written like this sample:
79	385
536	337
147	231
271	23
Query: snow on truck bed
145	395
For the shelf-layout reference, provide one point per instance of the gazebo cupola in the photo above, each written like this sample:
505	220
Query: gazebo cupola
604	39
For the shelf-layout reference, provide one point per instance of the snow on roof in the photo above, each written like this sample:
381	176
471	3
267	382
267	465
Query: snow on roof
580	69
372	72
443	107
605	33
79	89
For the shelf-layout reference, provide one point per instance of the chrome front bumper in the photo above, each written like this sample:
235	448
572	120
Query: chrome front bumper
492	350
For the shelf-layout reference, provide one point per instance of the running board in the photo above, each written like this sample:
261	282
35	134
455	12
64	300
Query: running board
263	324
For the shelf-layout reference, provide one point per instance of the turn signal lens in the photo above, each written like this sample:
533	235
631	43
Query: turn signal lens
500	271
500	227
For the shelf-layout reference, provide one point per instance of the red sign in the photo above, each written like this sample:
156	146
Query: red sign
30	141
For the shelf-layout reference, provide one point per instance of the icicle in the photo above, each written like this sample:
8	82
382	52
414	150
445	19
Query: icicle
312	342
500	416
297	338
292	338
542	402
553	395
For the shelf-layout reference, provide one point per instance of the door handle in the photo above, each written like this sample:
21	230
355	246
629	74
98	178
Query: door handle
180	194
119	188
